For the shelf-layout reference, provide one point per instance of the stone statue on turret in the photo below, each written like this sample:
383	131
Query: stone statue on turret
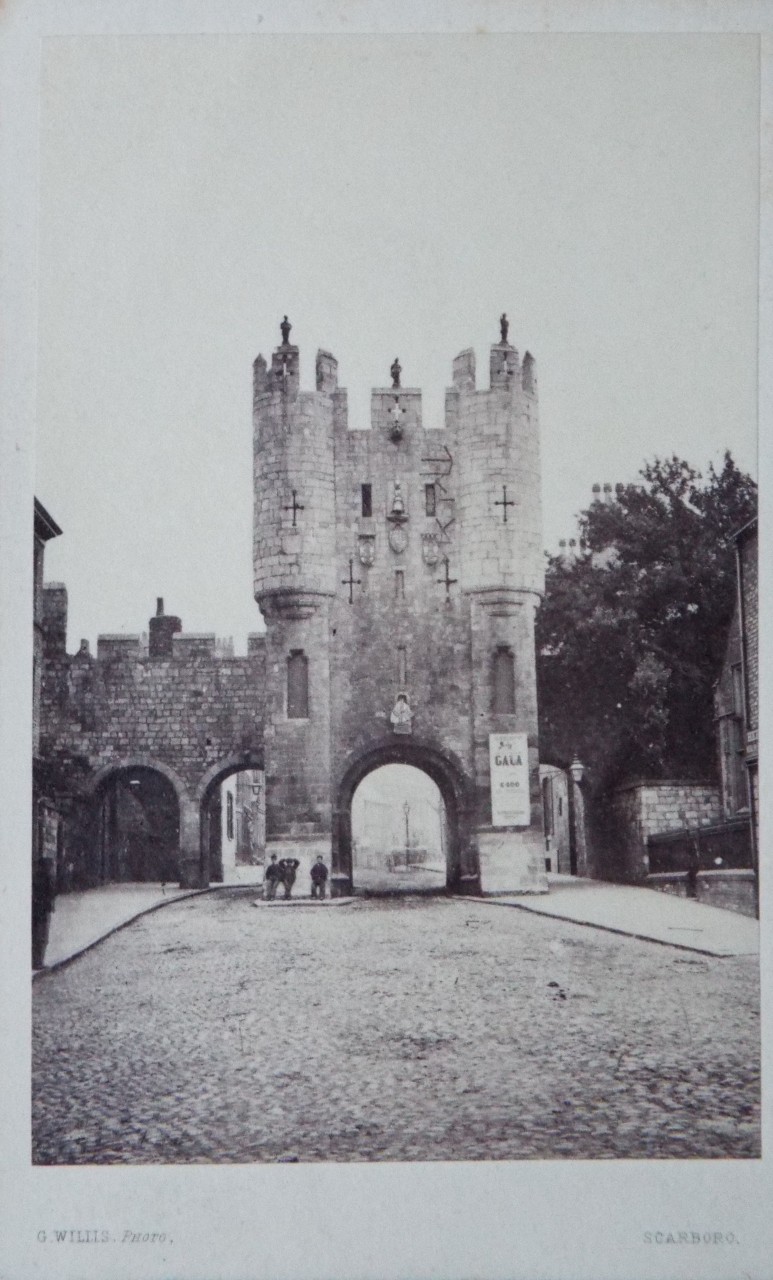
401	714
285	326
504	325
395	371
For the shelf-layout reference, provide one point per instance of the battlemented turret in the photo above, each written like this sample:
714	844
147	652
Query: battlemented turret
295	581
294	548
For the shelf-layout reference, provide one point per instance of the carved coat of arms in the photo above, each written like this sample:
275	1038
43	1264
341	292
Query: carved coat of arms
430	549
366	549
398	538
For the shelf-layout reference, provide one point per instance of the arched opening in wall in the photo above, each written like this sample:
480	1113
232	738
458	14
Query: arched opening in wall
400	832
233	825
137	828
560	852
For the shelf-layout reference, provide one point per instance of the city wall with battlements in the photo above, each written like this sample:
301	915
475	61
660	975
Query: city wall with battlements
175	704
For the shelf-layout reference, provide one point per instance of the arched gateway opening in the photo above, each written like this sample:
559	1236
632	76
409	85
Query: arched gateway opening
138	827
399	832
403	824
232	819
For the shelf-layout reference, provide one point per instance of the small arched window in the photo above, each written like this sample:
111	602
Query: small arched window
297	685
504	682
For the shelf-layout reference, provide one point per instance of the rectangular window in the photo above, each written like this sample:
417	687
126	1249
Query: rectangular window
366	491
401	667
229	814
399	583
297	686
430	499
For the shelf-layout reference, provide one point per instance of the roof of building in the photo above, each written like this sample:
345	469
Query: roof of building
45	525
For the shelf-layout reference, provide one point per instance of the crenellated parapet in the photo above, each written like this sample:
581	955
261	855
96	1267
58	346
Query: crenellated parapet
294	474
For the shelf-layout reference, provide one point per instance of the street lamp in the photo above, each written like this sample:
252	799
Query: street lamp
577	770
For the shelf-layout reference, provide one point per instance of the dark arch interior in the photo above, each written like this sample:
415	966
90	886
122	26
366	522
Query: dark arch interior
138	828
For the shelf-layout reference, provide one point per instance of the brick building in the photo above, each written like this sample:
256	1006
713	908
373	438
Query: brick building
398	570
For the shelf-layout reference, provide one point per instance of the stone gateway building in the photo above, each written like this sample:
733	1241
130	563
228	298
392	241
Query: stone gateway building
398	570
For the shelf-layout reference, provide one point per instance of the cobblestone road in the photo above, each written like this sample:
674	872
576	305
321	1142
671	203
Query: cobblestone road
408	1029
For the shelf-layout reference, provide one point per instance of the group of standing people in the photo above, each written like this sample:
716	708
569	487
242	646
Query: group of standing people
285	870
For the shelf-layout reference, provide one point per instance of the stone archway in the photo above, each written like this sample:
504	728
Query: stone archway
462	866
205	794
134	823
566	832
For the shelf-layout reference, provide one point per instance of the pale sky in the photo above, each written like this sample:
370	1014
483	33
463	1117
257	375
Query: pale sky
393	195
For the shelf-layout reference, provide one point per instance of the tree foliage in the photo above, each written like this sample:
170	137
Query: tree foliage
632	630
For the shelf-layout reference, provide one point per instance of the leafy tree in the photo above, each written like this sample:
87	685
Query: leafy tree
632	630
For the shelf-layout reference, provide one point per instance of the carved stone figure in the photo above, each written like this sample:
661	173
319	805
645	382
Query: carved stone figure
366	549
285	326
504	325
397	414
401	715
398	502
395	371
430	549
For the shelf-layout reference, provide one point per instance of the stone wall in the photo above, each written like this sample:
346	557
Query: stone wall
397	560
732	890
190	715
407	557
642	809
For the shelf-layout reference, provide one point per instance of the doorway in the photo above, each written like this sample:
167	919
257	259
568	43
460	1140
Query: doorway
233	824
138	828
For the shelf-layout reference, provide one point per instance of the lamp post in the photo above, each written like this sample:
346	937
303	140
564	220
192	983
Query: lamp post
576	773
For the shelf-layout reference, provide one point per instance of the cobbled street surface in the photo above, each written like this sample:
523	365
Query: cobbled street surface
390	1029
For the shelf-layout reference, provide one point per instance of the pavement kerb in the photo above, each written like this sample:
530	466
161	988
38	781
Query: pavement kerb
492	901
122	924
606	928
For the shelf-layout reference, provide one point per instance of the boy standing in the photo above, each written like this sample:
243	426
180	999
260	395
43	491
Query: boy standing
318	878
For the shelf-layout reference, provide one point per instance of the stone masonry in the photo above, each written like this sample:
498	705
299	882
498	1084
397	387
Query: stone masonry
399	560
642	809
398	570
177	708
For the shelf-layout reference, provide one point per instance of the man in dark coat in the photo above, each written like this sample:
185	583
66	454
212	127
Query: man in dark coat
273	875
289	870
43	894
318	877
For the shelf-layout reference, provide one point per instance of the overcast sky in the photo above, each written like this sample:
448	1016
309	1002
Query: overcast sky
393	195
